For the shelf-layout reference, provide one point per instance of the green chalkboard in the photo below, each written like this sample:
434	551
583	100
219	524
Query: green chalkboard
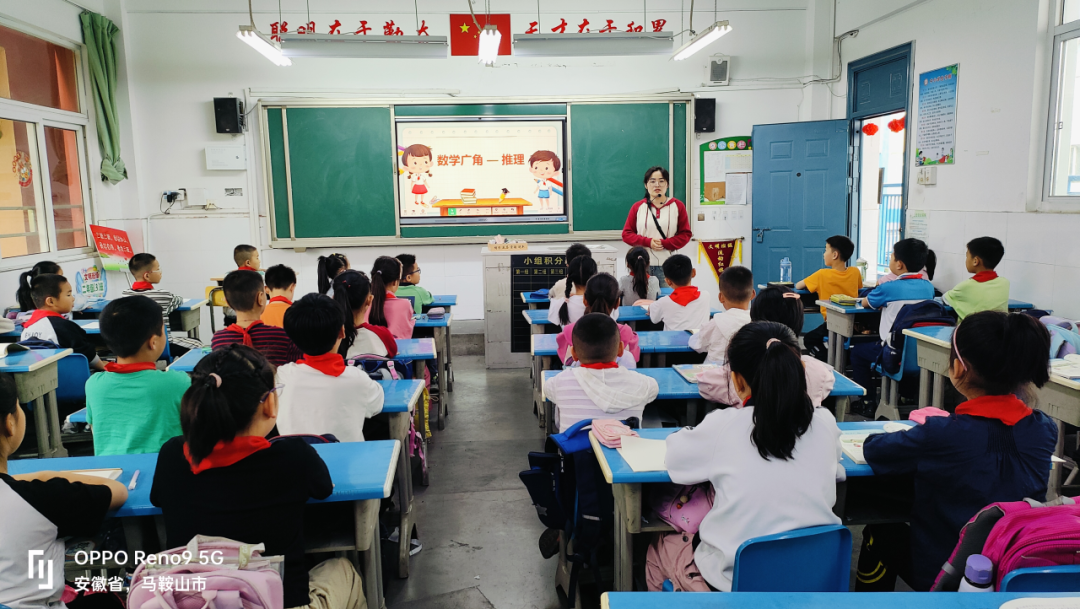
276	131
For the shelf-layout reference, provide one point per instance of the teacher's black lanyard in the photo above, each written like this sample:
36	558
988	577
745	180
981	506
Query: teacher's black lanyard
655	221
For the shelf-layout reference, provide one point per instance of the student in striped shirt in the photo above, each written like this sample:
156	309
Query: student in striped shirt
245	293
146	270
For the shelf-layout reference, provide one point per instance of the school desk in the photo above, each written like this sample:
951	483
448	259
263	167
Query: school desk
534	301
817	600
1014	305
660	344
626	487
538	318
363	473
186	318
447	302
36	382
441	329
841	323
400	400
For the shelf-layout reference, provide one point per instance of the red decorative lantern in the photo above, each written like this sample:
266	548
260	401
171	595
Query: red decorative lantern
897	125
869	129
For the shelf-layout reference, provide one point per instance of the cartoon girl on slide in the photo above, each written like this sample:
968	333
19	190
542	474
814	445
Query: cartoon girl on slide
417	160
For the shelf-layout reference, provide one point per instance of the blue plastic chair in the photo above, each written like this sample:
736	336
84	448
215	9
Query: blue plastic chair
815	559
1064	578
889	406
72	372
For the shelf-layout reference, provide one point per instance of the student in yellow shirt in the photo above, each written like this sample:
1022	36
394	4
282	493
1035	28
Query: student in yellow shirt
838	278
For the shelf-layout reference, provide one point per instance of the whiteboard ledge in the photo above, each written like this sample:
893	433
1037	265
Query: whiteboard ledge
611	235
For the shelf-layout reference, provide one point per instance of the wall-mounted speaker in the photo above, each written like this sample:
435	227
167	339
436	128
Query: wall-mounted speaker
704	115
229	115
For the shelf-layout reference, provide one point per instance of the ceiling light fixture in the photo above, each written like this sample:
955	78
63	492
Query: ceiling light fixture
490	37
263	45
702	40
348	45
593	45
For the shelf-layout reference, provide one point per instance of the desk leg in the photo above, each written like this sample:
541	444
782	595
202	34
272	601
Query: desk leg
56	447
624	541
692	411
831	357
841	500
939	391
449	358
840	365
661	360
1056	472
440	365
924	387
842	404
366	523
646	360
538	399
549	417
399	430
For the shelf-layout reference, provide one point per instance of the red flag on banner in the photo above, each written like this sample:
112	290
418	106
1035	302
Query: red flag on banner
721	254
465	37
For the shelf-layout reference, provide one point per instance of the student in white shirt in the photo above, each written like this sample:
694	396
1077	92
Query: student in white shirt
320	393
773	461
684	309
599	387
575	250
736	292
571	306
352	290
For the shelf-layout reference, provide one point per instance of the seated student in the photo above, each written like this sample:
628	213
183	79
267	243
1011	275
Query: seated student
146	270
683	309
779	304
569	307
736	292
576	249
40	511
246	258
639	287
244	292
53	299
22	295
776	442
601	296
927	271
223	478
133	407
993	449
985	291
387	309
329	267
890	298
352	291
410	284
599	388
322	394
838	278
280	286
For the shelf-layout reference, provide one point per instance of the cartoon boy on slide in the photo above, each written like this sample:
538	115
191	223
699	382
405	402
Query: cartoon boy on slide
545	165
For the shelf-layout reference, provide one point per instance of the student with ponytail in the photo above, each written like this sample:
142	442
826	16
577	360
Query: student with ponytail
601	296
329	267
223	478
387	310
774	441
639	284
22	295
571	305
993	449
352	290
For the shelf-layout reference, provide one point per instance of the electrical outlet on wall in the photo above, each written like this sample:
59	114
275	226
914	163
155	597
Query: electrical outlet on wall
926	176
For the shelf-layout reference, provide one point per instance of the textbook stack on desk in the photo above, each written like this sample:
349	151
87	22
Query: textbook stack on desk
844	300
1068	367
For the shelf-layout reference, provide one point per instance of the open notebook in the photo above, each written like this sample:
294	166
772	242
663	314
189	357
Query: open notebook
690	372
1068	367
112	473
643	454
851	442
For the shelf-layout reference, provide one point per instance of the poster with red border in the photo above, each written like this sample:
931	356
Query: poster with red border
113	246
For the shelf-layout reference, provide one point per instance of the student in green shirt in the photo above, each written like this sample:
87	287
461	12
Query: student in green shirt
133	407
985	291
410	284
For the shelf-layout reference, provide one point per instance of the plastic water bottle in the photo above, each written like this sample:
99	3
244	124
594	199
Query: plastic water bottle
862	266
978	575
785	270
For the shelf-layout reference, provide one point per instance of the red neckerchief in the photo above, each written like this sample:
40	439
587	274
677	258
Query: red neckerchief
911	276
390	295
142	286
685	295
244	332
246	268
747	400
281	299
601	365
330	364
38	315
1006	408
984	276
126	368
385	336
227	453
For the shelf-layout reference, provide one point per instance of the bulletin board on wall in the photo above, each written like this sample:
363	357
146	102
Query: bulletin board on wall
726	165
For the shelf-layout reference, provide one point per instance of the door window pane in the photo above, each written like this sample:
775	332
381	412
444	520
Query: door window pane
881	207
36	71
69	220
22	223
1070	10
1065	179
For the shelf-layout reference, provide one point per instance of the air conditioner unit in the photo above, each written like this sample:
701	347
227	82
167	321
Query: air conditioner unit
719	70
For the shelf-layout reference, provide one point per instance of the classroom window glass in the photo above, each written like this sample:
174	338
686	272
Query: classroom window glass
23	229
1065	129
37	72
1070	10
69	218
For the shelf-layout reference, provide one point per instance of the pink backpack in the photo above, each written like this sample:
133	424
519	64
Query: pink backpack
209	573
671	558
683	507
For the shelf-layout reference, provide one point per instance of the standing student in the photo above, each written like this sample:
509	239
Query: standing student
571	306
986	290
993	449
53	300
410	284
223	478
657	222
684	308
575	250
639	285
352	291
246	258
245	292
736	292
601	296
329	267
837	278
280	287
776	442
387	309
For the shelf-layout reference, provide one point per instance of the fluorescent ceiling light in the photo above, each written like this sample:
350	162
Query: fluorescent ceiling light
260	43
349	45
702	40
490	38
582	45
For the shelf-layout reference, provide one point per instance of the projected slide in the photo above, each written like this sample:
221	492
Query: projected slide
481	171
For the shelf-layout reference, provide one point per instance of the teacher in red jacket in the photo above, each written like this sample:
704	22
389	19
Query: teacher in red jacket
658	222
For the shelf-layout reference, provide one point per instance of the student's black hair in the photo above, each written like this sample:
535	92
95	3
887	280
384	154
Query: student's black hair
648	174
637	260
279	277
210	413
127	323
329	267
140	263
596	338
988	249
46	286
913	253
777	379
601	294
575	250
22	295
351	289
385	271
314	323
771	304
737	283
242	289
407	262
242	253
931	264
678	269
1003	352
580	271
9	399
842	245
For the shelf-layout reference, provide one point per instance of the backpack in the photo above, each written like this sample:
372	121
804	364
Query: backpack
915	315
670	559
382	368
220	574
682	506
1015	535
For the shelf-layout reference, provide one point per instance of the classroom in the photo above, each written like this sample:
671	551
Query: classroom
539	304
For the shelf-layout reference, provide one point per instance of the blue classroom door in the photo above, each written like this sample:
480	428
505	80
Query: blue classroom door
800	195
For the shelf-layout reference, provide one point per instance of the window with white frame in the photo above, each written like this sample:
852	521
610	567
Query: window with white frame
44	200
